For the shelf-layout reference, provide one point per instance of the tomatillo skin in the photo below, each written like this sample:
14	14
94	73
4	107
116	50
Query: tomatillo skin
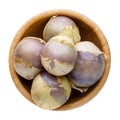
27	61
58	56
50	92
89	66
61	25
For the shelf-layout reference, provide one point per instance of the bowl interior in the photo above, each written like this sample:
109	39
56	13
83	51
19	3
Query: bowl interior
88	30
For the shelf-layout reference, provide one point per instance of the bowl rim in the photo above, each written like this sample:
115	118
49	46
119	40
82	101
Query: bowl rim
84	19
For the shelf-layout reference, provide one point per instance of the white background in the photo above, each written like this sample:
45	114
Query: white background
105	13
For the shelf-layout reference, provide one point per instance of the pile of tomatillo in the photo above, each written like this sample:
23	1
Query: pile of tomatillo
58	62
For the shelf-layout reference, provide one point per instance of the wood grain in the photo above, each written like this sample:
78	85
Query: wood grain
88	30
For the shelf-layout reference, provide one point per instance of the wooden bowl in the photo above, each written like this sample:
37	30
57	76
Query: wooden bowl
89	31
